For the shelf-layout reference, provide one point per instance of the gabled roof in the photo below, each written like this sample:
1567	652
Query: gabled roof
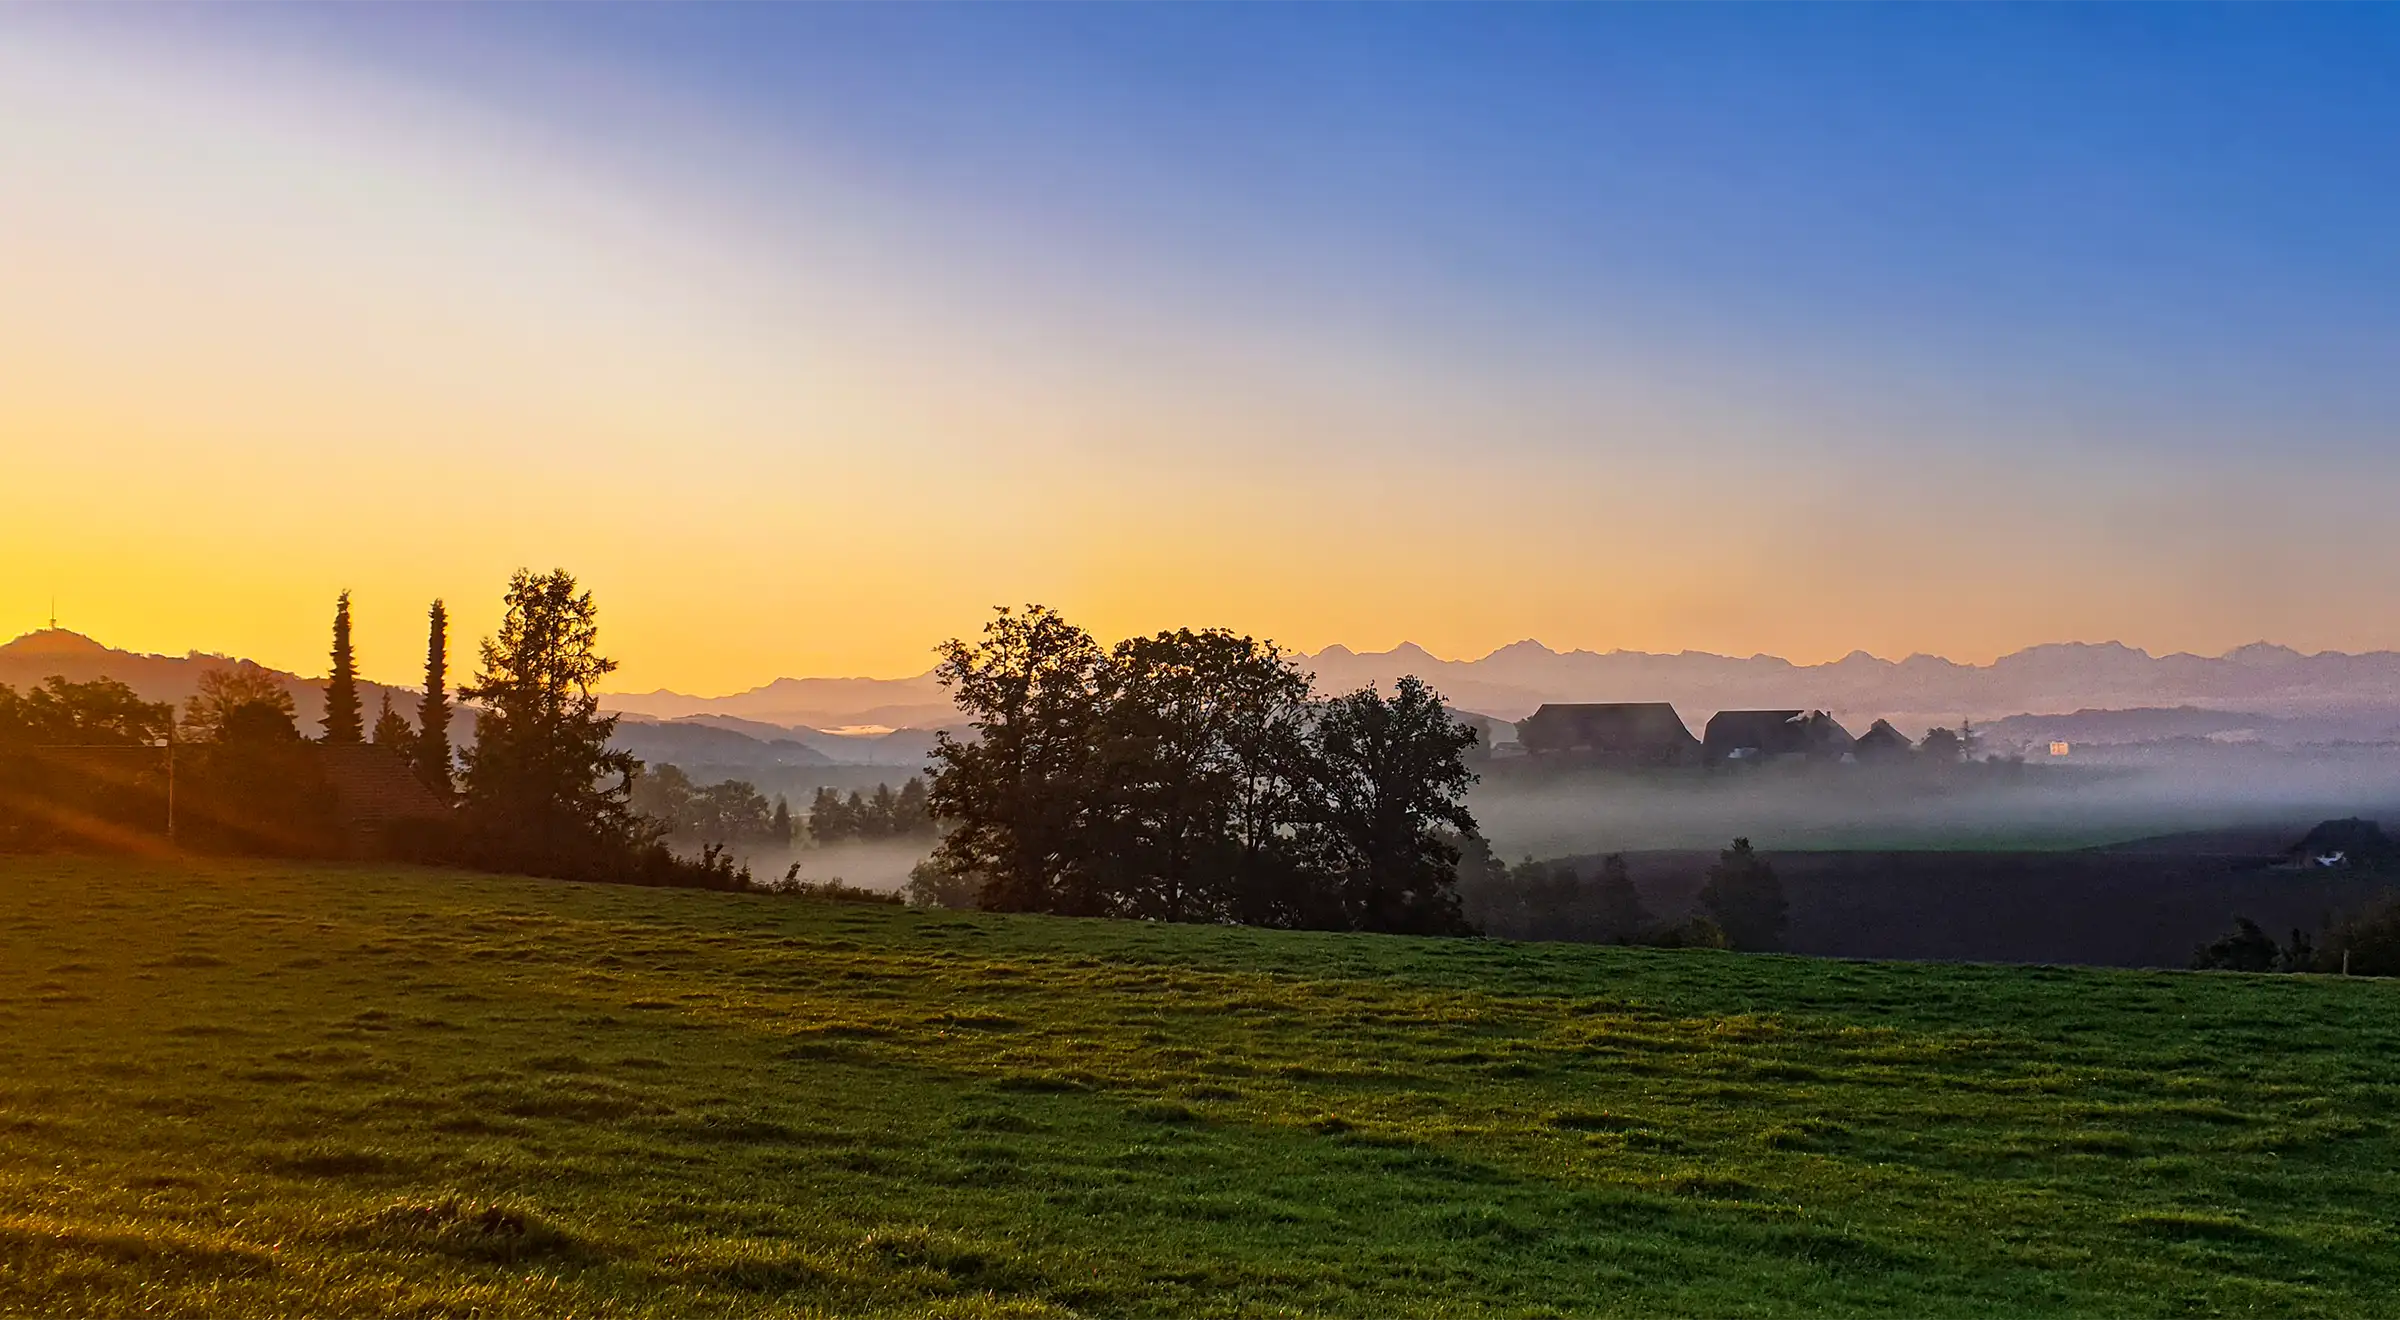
372	785
1776	733
1882	737
1626	727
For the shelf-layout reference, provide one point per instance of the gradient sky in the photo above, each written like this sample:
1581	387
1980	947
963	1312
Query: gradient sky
805	334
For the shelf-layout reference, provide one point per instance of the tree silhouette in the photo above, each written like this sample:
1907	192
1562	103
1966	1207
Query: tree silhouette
1195	742
342	712
1186	776
433	709
1391	781
828	821
538	778
225	691
1745	899
1618	913
391	729
1941	746
2245	949
1018	790
916	817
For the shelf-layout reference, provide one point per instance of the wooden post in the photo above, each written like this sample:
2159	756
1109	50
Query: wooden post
170	781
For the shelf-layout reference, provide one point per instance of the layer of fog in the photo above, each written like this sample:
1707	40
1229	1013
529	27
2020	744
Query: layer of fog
867	864
1852	807
1826	807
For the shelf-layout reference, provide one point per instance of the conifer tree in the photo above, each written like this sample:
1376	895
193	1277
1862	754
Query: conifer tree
433	710
391	728
915	812
1745	899
542	783
1620	915
342	714
882	813
827	823
781	828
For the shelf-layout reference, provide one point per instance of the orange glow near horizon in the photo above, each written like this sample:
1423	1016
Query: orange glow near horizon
251	356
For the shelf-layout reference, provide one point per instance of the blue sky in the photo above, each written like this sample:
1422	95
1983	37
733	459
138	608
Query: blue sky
2128	201
1651	305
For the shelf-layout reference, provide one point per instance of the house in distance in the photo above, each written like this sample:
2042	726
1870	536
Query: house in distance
1770	735
1629	733
1883	743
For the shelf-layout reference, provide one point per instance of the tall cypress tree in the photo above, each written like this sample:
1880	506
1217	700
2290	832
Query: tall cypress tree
343	722
433	712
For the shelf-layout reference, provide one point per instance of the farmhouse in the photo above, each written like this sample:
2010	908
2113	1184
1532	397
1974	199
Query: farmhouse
375	790
1647	733
1882	742
1741	735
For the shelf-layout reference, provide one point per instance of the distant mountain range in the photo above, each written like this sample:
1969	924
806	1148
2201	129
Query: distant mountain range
699	739
1916	692
864	704
888	721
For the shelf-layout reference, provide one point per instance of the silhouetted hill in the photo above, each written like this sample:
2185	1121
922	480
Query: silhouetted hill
35	657
725	742
689	744
814	703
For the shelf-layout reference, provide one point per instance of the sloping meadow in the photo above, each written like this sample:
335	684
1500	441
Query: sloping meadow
265	1089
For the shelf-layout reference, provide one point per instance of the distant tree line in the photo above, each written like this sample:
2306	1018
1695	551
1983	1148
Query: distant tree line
1741	904
732	811
1193	776
884	814
2363	942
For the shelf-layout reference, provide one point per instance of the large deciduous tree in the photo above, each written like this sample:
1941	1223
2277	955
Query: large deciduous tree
1020	790
1194	742
1189	776
225	692
1391	783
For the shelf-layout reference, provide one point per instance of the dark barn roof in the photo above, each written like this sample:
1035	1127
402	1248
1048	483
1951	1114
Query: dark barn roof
1643	731
1883	740
1775	733
375	785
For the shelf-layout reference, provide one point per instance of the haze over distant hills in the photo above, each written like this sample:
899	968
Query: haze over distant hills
36	656
2326	690
1915	692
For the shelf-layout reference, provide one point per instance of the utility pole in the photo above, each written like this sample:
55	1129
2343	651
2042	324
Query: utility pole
170	781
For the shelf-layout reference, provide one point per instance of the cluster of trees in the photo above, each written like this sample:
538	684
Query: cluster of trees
79	761
425	744
1942	745
884	814
732	811
2365	942
1194	776
1741	903
538	791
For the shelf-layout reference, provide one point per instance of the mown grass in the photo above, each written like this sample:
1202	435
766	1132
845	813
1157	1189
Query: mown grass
254	1089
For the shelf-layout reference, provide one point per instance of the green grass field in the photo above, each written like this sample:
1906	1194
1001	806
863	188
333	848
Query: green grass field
244	1089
